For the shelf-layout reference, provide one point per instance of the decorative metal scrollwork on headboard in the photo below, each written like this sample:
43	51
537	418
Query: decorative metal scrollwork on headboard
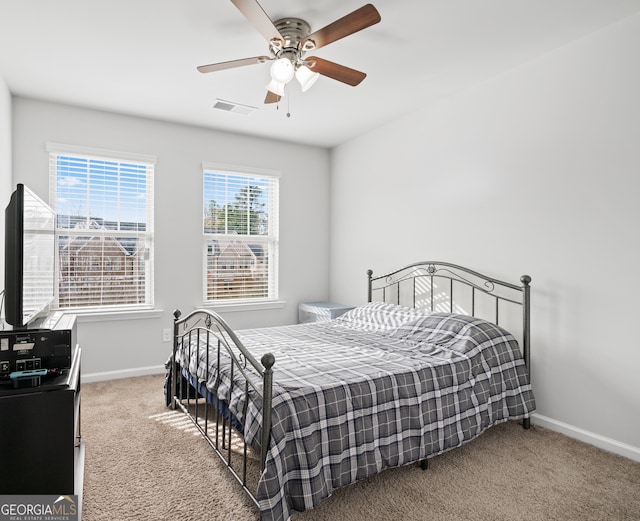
445	270
489	286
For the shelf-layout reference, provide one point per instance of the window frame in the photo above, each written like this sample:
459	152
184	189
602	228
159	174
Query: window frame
56	150
271	239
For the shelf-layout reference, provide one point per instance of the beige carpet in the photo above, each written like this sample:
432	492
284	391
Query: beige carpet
141	465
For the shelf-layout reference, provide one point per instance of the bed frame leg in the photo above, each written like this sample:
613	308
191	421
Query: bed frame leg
424	464
526	423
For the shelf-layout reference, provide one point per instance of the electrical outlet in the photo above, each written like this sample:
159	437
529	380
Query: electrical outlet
166	335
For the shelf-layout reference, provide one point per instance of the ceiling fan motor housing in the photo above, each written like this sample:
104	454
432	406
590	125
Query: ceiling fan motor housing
294	31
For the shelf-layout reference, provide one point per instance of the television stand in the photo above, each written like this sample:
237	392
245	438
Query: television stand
40	443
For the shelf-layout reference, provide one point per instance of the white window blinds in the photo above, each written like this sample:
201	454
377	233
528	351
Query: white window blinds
104	229
240	228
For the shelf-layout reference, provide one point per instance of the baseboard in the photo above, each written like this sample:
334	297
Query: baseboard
602	442
123	373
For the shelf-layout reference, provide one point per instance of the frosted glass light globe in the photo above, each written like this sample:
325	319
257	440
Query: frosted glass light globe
276	87
282	70
306	77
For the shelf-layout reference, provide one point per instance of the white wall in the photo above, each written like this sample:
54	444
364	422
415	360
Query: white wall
5	160
536	172
116	346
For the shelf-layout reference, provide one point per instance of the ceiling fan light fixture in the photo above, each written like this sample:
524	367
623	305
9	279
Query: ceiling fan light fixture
276	87
306	77
290	39
282	70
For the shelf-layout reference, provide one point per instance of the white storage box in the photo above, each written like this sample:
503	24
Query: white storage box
320	311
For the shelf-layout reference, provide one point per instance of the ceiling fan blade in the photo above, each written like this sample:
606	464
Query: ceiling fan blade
253	12
335	71
213	67
359	19
272	97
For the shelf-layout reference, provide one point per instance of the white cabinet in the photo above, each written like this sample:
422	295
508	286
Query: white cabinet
320	311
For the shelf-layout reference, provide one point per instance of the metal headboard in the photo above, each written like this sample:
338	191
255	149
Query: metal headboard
445	287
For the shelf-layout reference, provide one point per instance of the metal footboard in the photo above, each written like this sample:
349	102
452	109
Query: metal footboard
199	397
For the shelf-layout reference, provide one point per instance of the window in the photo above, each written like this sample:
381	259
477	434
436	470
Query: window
240	229
104	227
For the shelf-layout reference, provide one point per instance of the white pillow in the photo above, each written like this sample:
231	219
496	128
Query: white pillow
380	316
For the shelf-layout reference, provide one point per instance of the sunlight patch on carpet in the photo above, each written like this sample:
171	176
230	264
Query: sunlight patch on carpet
177	420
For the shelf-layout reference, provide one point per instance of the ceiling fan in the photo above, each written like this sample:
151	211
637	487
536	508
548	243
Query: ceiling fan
290	39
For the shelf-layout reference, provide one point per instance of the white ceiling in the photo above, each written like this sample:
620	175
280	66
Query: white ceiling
139	57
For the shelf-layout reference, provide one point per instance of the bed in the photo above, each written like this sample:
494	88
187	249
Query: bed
437	355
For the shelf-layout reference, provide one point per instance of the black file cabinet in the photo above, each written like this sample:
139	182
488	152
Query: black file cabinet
41	451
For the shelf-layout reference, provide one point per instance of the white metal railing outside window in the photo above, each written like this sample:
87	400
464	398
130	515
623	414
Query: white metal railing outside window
240	235
104	228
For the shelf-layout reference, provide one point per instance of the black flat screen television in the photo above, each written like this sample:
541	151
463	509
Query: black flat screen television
29	264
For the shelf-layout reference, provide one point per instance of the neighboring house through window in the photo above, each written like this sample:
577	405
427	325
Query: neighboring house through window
104	227
240	229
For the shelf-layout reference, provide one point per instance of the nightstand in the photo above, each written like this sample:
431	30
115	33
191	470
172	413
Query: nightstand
320	311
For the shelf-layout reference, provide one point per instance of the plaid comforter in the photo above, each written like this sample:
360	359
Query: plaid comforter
378	387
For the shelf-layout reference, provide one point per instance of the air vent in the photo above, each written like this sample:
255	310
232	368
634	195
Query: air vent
236	108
